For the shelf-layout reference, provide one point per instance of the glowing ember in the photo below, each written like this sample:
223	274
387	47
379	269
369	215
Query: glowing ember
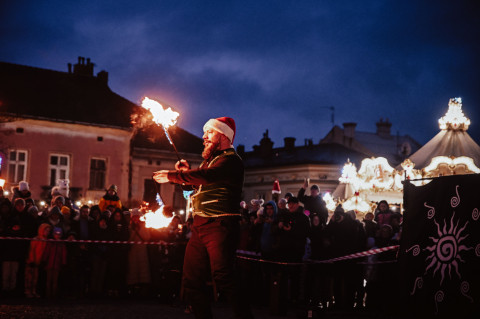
156	219
161	116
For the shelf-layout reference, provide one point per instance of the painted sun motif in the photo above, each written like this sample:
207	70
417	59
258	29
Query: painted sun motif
446	249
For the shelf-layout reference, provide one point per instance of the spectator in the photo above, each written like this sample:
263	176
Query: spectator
384	214
95	213
110	198
314	203
55	258
370	227
21	191
342	235
100	255
14	251
34	260
117	255
294	229
268	224
138	276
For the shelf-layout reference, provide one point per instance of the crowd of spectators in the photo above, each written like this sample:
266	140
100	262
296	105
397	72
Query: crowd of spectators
291	234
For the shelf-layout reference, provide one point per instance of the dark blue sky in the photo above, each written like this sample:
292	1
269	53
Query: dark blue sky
273	65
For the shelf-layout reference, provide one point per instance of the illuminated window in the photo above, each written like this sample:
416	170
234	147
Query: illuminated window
17	165
98	168
59	168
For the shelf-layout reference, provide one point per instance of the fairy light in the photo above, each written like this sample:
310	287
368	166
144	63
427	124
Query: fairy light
454	119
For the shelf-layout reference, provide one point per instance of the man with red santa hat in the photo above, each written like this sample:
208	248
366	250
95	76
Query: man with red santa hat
215	231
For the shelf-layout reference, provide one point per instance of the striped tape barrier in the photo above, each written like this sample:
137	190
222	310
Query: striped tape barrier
370	252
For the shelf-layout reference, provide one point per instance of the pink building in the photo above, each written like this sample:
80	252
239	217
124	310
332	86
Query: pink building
70	125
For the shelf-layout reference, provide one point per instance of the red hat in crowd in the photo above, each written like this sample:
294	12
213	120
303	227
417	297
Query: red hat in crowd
224	125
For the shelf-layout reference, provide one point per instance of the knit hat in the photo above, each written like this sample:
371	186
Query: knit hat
114	188
315	186
19	201
224	125
23	186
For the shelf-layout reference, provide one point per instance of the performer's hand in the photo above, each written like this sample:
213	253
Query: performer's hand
182	165
161	176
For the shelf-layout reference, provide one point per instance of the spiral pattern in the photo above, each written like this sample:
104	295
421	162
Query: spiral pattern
455	199
447	248
418	284
431	211
438	298
464	288
477	250
416	250
475	214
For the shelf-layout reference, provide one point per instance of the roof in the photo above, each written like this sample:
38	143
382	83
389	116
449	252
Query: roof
153	137
33	92
389	147
447	143
80	98
325	153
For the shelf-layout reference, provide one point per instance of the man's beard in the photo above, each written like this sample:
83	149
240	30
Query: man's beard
209	149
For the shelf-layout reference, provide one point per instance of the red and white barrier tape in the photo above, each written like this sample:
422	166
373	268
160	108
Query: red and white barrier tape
89	241
242	252
370	252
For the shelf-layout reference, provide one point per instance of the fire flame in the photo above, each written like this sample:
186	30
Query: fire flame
161	116
156	219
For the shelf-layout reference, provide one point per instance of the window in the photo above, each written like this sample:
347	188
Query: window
59	168
17	166
98	169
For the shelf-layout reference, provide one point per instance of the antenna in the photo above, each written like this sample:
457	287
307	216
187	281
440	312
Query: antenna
332	117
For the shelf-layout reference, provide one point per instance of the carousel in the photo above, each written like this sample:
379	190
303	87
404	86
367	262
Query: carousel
451	152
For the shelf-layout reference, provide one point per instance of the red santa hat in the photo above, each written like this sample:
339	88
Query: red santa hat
224	125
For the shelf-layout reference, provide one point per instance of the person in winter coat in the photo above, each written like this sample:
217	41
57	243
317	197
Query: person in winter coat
14	251
138	275
110	198
384	214
314	203
21	191
117	255
34	260
54	257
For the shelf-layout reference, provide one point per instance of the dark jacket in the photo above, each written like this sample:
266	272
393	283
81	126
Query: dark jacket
315	205
219	183
292	242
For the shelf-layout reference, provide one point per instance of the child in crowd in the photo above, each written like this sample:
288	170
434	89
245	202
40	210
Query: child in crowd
34	259
55	257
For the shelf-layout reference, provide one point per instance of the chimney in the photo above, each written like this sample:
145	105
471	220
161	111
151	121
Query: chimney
83	69
383	128
69	68
102	76
349	129
289	143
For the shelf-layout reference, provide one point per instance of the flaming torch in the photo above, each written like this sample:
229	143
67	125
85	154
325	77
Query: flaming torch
160	218
163	117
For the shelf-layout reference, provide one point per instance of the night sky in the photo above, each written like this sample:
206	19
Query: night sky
276	65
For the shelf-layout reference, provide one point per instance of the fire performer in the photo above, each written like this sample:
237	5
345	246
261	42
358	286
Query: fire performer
215	232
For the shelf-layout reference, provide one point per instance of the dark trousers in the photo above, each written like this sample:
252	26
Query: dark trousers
210	252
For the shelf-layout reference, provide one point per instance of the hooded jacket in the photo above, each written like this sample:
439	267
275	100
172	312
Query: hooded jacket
37	247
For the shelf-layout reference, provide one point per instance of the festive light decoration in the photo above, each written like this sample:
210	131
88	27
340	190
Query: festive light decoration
327	197
356	203
452	163
454	119
2	182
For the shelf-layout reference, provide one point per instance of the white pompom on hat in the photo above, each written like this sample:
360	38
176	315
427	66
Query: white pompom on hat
224	125
23	186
